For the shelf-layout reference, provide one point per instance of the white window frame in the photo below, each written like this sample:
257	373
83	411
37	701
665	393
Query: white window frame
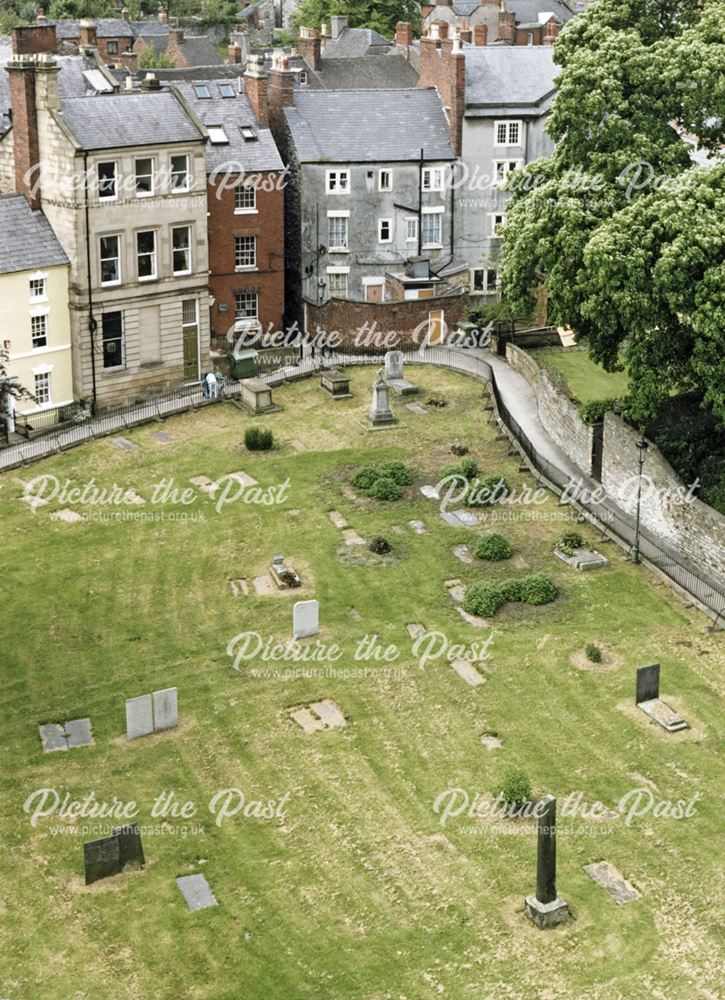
517	162
437	210
507	124
389	224
119	270
105	163
411	234
44	374
428	181
38	279
382	174
188	249
153	255
177	173
253	254
35	318
217	135
485	289
339	272
493	224
339	215
334	179
248	210
152	175
247	320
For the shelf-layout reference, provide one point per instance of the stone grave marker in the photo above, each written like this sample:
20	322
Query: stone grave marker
351	537
546	908
394	374
649	701
648	683
467	672
305	619
415	408
459	518
52	737
606	875
306	720
330	714
418	527
202	483
55	736
196	891
162	438
101	858
125	444
166	710
139	716
456	590
78	732
415	631
239	588
337	519
243	478
380	414
463	554
130	848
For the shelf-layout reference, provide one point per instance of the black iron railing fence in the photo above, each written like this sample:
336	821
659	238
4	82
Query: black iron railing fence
605	514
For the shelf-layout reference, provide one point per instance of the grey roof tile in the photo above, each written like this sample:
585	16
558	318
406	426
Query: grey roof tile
363	126
28	243
515	75
120	120
367	73
527	11
356	42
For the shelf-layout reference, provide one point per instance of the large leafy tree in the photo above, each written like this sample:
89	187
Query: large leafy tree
623	226
381	15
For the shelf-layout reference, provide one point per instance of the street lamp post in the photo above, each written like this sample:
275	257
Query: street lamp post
642	446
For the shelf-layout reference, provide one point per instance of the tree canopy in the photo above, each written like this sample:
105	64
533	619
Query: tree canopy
381	15
625	224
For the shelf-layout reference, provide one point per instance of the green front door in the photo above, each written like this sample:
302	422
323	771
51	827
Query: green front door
190	325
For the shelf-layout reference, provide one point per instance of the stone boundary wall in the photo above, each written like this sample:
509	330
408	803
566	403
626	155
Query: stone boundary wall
687	524
557	412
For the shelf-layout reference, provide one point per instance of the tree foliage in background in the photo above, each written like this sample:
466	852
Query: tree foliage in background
627	233
151	59
380	15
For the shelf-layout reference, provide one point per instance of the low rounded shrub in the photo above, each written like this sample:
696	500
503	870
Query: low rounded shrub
380	546
364	478
512	590
515	789
385	488
487	491
569	541
450	470
593	652
538	589
397	472
258	439
493	547
459	449
483	600
469	468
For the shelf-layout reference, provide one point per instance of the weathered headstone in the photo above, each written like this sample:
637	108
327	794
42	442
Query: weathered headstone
648	683
166	711
52	737
196	891
467	672
101	858
380	414
78	732
305	619
125	444
394	361
606	875
130	848
139	717
329	713
546	908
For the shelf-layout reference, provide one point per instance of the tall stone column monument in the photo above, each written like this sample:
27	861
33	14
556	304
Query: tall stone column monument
546	908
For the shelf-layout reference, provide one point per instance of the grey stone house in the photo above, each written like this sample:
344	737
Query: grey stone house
367	190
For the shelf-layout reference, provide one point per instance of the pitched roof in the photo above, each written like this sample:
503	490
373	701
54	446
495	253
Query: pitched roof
519	78
120	120
367	73
353	42
527	11
363	126
239	155
28	242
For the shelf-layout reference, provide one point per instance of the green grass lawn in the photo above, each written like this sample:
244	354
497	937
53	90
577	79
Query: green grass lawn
586	380
357	892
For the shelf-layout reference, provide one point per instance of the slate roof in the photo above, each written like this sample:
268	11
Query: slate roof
199	50
106	27
367	73
120	120
527	11
224	71
28	242
232	112
365	126
356	42
514	77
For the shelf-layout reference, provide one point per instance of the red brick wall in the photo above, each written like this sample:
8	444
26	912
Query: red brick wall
268	226
34	38
403	318
25	130
440	68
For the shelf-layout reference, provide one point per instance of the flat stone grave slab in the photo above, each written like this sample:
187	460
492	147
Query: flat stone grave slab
330	714
139	717
355	614
239	588
472	620
166	709
606	875
202	483
402	387
125	444
78	732
456	590
663	715
430	492
418	527
306	720
491	741
467	672
415	631
463	554
297	445
337	519
243	478
52	737
196	891
351	537
162	438
583	559
66	515
459	518
415	408
264	586
398	529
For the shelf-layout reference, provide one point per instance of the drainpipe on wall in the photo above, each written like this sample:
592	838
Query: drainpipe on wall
92	325
420	204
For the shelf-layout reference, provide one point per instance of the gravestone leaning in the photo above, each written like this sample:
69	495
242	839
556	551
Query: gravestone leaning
546	908
139	717
648	683
305	619
166	711
130	848
101	858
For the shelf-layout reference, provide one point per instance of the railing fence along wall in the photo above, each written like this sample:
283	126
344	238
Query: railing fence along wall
604	514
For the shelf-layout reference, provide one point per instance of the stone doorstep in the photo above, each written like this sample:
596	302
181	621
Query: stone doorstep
467	672
606	875
663	715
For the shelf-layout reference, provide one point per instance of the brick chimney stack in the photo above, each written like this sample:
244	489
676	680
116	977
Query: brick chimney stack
466	33
41	18
281	94
89	37
507	27
443	66
234	53
480	34
551	32
255	87
33	86
309	47
163	15
34	39
404	33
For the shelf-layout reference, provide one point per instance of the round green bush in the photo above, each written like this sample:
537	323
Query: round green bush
469	468
483	600
594	653
380	546
386	489
538	589
258	439
397	472
493	547
487	491
364	478
512	590
450	470
515	789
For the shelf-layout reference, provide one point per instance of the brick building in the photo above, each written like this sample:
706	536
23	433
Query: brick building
506	22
